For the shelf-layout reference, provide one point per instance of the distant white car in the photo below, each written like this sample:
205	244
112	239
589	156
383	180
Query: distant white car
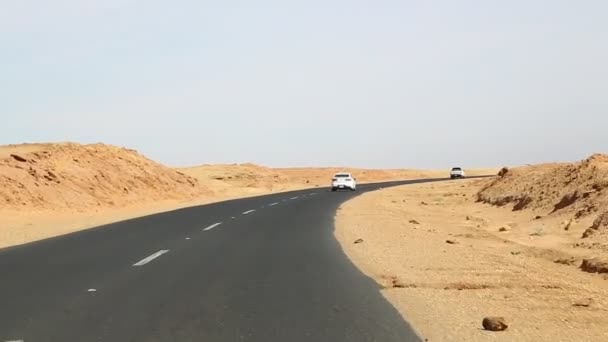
457	172
343	181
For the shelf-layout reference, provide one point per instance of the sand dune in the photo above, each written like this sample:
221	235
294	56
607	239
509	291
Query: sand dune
81	177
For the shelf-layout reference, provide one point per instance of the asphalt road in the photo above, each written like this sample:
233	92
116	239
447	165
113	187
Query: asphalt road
258	269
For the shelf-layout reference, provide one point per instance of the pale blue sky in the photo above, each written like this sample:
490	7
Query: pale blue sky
380	83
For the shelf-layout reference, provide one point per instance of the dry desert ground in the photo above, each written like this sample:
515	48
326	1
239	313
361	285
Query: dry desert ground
530	246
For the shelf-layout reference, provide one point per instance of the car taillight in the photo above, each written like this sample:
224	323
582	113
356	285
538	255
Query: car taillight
334	179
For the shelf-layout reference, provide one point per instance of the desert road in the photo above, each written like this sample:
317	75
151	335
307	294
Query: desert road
257	269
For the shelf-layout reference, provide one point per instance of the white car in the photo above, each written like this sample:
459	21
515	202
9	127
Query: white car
457	172
343	181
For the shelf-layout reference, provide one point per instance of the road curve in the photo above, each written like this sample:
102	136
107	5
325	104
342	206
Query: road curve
257	269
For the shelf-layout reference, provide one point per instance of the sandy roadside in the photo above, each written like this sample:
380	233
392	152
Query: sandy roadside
20	226
446	289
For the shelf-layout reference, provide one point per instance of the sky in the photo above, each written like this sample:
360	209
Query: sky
382	83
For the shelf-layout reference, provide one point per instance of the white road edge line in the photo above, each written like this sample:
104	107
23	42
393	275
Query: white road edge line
151	257
273	204
212	226
248	211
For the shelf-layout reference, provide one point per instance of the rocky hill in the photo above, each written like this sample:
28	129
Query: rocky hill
575	190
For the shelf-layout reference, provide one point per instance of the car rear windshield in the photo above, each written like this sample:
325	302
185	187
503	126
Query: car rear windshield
457	169
342	175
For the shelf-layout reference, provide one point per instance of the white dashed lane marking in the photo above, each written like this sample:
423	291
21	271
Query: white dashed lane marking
248	212
273	204
213	226
151	257
294	198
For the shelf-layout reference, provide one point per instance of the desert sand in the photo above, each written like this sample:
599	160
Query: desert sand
529	245
52	189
